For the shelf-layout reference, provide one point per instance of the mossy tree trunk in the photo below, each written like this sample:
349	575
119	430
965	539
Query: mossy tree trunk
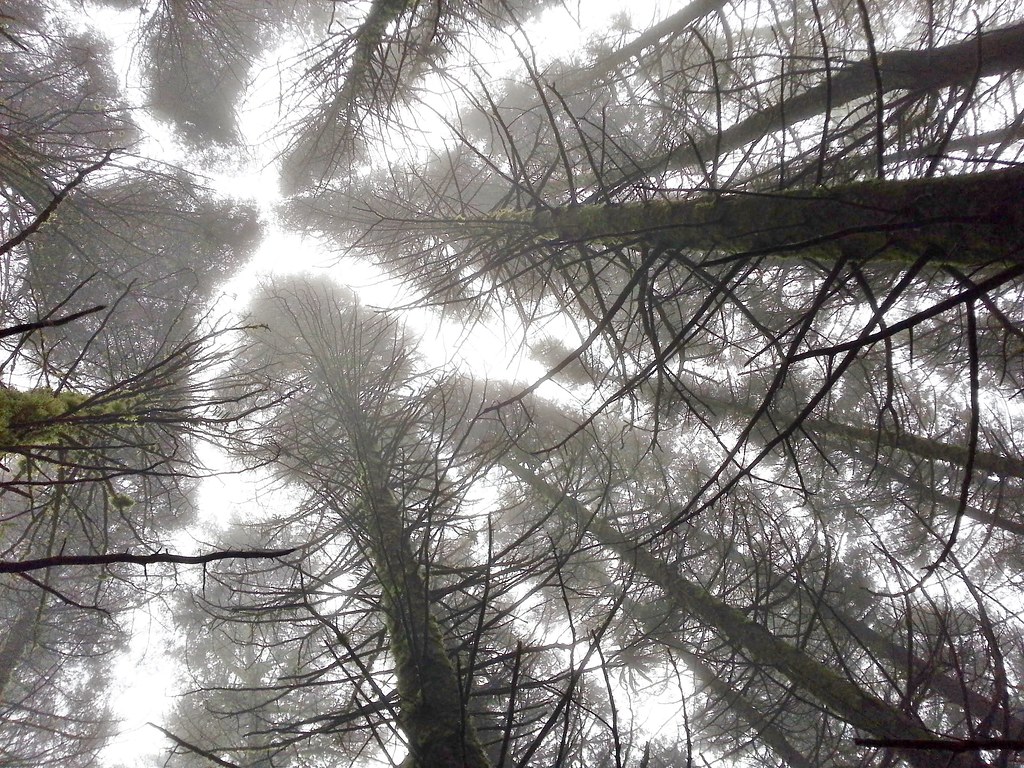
433	716
360	434
970	220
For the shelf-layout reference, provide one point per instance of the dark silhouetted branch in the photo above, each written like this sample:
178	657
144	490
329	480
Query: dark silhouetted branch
52	206
193	748
14	330
947	745
23	566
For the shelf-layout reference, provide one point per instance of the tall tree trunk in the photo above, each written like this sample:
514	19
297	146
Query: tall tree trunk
433	716
932	496
953	690
840	697
763	725
18	639
922	447
995	52
611	62
969	220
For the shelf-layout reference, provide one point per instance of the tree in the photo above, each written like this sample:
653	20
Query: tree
108	378
993	52
359	464
768	260
359	412
759	257
619	479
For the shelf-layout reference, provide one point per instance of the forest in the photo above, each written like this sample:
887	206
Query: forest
512	383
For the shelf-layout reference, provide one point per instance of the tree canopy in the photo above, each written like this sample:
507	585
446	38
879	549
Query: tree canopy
750	492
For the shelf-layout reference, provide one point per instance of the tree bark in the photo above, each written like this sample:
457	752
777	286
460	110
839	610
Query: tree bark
995	52
840	697
433	717
970	220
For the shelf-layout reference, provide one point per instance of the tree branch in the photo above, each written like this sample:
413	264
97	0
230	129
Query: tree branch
193	748
62	597
125	557
52	206
947	745
14	330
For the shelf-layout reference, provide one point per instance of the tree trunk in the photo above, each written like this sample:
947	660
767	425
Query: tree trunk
615	60
995	52
840	697
19	638
952	689
969	220
433	716
950	505
761	724
923	447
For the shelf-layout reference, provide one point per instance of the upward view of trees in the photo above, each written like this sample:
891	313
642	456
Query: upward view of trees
750	494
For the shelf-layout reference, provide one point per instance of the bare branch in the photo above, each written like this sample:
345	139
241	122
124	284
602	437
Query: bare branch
22	566
45	214
22	328
193	748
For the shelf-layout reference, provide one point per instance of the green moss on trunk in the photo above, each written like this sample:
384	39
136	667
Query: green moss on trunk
433	718
42	417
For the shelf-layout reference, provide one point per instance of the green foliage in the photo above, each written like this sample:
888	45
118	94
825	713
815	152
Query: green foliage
33	417
43	417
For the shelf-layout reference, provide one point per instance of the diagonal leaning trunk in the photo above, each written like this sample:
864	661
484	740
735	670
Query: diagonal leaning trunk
929	448
945	685
610	63
840	697
746	710
995	52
